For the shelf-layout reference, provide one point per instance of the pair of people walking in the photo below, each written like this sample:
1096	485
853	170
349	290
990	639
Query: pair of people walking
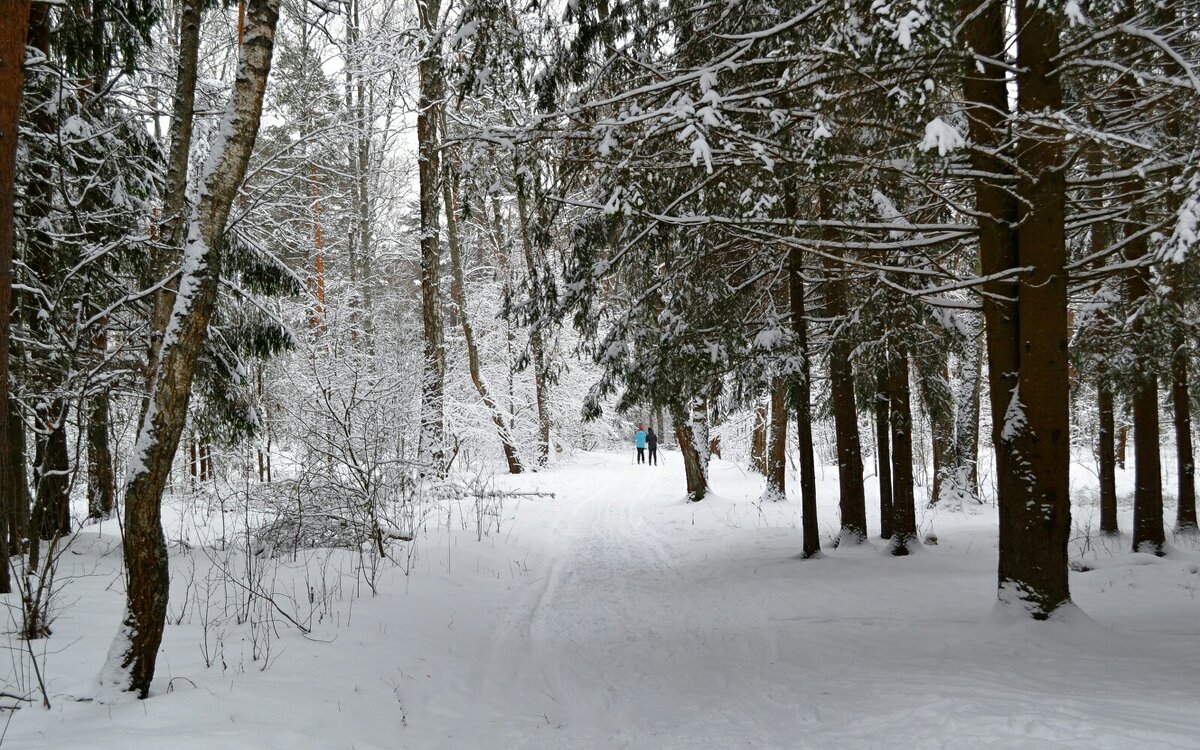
645	438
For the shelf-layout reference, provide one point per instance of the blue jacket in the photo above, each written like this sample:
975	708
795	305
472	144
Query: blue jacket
639	439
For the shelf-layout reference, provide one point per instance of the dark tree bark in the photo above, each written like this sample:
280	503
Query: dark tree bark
1104	447
1026	320
101	480
801	397
1148	532
904	511
777	448
51	480
1185	515
133	654
883	453
431	451
691	432
16	491
852	497
12	81
1035	526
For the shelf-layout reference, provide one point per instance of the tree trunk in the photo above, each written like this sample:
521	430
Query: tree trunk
883	454
431	450
1122	445
1148	532
777	449
12	82
691	431
941	429
52	502
101	480
1108	474
132	656
758	439
1185	515
966	425
458	293
852	498
166	256
1035	526
193	461
801	396
904	511
1026	320
16	491
536	344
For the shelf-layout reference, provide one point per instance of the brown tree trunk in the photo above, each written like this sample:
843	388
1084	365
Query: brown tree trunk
101	479
1035	527
1122	445
458	293
1026	321
1104	447
431	451
691	432
133	654
904	511
852	497
777	449
1185	515
12	81
883	454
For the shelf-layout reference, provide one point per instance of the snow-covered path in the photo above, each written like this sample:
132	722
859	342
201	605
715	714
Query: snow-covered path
615	615
625	637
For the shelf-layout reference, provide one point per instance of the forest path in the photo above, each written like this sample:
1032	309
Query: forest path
624	634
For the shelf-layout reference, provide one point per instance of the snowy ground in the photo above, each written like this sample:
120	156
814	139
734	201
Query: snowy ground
614	615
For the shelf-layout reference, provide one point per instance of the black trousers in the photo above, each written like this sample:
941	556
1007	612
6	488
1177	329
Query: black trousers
641	455
654	455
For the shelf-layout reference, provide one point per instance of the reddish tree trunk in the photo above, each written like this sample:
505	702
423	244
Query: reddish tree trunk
12	80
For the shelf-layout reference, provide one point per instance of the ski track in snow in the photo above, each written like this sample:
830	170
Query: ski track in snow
616	615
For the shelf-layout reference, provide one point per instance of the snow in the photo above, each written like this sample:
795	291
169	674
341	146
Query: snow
942	136
616	615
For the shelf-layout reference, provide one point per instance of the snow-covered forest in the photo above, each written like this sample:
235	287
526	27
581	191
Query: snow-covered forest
599	374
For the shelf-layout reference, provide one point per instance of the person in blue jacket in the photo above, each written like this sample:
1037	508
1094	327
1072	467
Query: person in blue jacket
639	442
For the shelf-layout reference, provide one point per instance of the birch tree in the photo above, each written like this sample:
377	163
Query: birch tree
133	654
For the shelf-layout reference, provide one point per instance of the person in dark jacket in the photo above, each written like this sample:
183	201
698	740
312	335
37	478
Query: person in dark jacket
652	444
